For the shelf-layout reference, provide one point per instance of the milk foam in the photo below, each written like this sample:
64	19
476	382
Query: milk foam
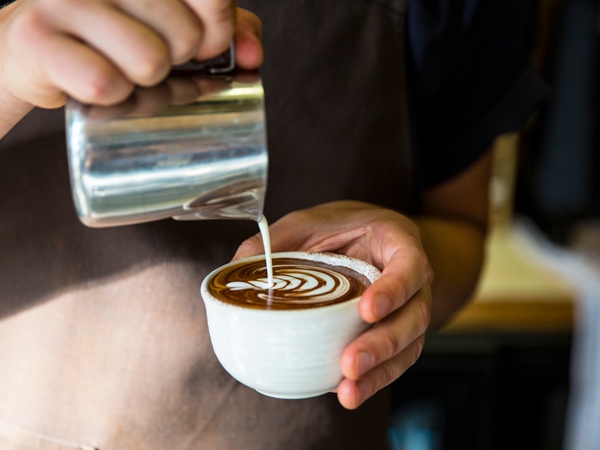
298	284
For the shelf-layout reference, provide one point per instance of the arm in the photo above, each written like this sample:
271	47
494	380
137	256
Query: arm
453	230
447	238
98	51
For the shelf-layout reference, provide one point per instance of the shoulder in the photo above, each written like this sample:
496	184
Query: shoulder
471	78
449	37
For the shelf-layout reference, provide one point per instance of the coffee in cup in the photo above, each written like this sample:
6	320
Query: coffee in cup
285	340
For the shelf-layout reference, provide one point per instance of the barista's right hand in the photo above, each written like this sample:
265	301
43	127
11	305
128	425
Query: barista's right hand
97	50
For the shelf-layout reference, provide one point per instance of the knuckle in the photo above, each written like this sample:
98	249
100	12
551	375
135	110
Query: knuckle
151	68
59	3
185	46
102	88
27	26
398	288
214	47
52	5
394	368
427	269
424	317
218	37
402	292
417	348
421	260
389	374
96	88
251	245
224	11
390	344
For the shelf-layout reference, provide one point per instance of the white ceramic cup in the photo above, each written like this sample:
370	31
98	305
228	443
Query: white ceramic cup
290	353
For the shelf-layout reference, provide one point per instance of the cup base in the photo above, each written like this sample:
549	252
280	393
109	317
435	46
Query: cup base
295	396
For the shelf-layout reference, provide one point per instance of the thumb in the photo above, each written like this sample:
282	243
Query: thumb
248	45
250	247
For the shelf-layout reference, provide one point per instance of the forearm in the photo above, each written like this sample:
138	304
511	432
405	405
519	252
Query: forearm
455	249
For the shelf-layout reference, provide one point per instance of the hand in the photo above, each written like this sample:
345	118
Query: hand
97	50
398	304
176	89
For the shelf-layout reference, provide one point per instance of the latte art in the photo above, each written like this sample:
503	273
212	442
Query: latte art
297	284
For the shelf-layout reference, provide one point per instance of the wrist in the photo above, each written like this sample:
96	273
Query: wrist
13	110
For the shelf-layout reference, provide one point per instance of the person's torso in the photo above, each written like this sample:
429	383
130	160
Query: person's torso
103	337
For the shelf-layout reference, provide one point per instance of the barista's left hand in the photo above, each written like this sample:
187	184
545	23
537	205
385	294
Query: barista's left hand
398	304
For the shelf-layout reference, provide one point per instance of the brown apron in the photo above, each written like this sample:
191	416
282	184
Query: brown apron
103	339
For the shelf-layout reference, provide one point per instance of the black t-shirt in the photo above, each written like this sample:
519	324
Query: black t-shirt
471	79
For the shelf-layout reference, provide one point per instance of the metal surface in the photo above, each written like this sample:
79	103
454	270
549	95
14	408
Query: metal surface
156	156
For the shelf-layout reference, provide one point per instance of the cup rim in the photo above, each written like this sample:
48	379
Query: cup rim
370	272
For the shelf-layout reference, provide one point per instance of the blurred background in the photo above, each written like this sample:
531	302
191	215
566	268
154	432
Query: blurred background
519	367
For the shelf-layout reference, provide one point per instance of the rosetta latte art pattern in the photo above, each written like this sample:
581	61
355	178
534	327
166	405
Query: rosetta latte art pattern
296	284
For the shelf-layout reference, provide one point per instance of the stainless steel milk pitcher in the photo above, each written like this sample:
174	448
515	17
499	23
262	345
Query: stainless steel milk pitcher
155	156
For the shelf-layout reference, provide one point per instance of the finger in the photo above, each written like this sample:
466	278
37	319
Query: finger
403	276
316	229
248	46
90	78
174	21
137	50
388	338
45	63
287	234
217	18
250	247
353	393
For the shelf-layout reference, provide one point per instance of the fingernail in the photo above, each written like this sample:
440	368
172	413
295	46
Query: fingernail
364	362
382	306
